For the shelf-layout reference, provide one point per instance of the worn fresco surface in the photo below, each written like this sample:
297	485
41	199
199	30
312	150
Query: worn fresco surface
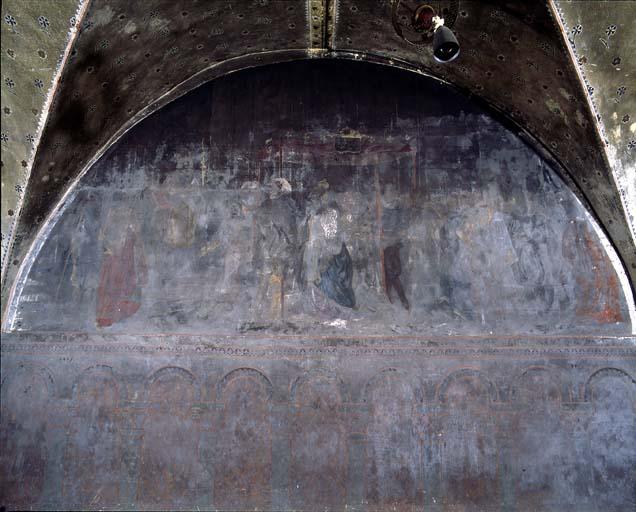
291	293
178	422
295	204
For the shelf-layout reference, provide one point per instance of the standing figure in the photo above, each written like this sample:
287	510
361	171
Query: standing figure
336	280
275	251
392	272
323	266
123	270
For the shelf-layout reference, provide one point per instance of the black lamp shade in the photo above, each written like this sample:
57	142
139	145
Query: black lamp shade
445	45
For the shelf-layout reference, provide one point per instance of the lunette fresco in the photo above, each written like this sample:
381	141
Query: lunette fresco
289	203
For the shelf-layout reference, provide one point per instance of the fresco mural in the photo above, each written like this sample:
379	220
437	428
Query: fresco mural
392	480
465	436
546	435
123	272
319	286
92	457
168	477
318	444
424	432
24	444
611	430
244	454
322	208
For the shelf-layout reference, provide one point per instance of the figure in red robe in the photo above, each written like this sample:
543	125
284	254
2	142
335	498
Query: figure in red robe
121	278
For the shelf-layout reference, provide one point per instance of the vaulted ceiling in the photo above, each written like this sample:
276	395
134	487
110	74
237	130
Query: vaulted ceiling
76	76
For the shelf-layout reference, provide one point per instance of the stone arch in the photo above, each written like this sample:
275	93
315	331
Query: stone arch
175	372
318	375
409	57
245	372
99	371
42	371
392	372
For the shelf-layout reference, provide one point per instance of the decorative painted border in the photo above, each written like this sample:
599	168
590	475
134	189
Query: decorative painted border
280	352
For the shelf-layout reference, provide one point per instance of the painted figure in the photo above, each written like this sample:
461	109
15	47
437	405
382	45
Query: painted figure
336	280
275	251
174	220
123	271
597	292
392	272
393	451
322	226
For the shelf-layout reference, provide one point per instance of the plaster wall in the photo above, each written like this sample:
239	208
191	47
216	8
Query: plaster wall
176	423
